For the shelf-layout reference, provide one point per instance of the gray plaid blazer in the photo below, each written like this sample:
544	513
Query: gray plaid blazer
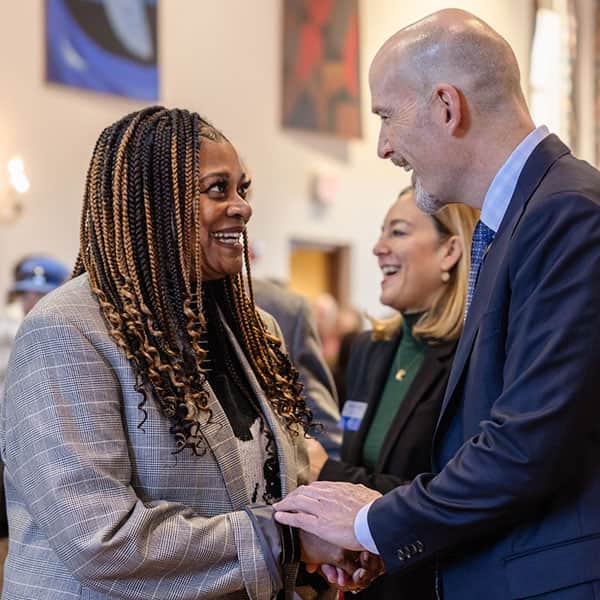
100	508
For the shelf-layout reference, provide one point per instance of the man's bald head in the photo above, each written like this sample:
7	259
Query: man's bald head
451	108
454	47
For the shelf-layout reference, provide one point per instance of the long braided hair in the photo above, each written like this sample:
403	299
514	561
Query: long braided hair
138	242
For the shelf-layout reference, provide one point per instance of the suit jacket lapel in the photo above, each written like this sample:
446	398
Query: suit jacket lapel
535	169
479	304
378	363
433	367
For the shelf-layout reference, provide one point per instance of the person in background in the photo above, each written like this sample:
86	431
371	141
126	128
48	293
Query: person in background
336	328
398	371
325	309
292	313
349	324
150	416
33	277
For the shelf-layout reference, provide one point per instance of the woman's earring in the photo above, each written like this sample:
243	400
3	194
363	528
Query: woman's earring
445	276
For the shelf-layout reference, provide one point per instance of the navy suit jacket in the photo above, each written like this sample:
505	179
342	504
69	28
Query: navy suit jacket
512	506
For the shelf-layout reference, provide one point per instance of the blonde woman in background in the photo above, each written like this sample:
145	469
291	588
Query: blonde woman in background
398	371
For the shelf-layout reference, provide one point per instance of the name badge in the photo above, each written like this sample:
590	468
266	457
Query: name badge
352	415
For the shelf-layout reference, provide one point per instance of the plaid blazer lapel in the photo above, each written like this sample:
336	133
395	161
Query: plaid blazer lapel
285	450
220	438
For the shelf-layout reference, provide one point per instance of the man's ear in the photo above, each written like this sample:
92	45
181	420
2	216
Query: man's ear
449	108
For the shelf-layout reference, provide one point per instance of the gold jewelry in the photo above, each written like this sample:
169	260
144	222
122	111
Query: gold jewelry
445	277
401	371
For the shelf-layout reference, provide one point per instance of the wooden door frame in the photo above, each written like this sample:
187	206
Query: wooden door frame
341	255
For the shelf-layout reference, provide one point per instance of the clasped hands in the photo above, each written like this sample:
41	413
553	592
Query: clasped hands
344	569
324	512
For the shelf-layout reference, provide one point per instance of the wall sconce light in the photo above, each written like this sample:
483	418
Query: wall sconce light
324	188
11	194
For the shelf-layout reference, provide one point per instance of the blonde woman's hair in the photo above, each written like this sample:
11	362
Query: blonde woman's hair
444	320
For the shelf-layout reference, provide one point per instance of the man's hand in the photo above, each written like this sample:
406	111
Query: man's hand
326	509
317	457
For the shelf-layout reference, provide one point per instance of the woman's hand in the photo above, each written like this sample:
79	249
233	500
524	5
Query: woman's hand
367	571
316	552
344	569
317	458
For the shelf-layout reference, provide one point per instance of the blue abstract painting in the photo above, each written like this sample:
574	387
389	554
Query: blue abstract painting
104	45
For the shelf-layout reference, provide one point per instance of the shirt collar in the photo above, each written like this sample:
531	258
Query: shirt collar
503	185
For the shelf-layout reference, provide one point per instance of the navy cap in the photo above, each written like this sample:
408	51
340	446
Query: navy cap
40	274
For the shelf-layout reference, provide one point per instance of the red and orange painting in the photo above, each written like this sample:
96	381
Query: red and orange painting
321	86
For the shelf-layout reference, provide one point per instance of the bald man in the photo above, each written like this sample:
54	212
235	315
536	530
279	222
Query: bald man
511	507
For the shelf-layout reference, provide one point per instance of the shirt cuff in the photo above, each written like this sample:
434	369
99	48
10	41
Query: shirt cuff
362	531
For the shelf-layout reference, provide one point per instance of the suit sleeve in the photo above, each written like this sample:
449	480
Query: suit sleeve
318	382
67	456
302	466
537	428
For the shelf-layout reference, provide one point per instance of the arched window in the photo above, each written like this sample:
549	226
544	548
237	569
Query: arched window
553	80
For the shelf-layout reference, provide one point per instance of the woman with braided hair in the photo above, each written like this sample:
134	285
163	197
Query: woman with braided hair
151	416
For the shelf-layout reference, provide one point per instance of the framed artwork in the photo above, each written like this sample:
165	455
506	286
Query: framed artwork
321	83
108	46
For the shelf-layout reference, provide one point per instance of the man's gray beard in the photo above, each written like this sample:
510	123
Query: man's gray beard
426	202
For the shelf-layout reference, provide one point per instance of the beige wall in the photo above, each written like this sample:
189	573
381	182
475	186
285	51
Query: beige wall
221	58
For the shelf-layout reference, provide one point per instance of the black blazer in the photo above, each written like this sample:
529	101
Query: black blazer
406	450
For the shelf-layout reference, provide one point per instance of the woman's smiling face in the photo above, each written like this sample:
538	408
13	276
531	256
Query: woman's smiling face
223	209
411	255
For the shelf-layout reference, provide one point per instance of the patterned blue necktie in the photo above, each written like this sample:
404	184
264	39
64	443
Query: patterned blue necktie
482	238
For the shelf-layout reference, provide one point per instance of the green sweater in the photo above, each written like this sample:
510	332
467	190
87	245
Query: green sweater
406	364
